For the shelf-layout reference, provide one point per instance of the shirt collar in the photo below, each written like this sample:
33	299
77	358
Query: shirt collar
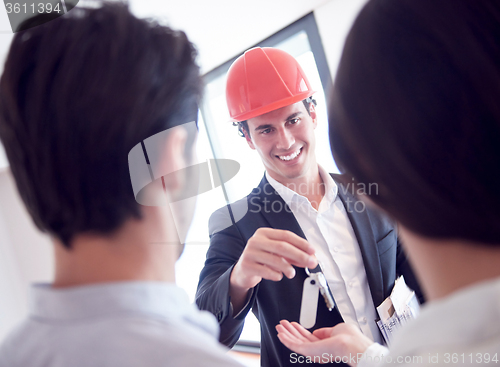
288	195
162	299
90	300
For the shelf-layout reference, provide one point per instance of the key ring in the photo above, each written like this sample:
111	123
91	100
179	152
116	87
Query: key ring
308	272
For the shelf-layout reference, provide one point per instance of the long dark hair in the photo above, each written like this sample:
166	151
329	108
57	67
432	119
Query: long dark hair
416	110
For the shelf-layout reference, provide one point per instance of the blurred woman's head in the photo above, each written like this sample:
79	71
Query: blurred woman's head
416	109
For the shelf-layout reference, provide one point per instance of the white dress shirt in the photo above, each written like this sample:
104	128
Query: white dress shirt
123	324
330	231
462	329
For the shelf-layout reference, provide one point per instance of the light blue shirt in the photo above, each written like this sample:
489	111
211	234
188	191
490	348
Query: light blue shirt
126	324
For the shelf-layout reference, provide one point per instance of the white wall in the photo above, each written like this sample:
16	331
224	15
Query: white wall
25	255
3	158
334	19
221	29
12	300
5	39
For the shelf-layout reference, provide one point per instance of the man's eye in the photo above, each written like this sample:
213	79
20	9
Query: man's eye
265	131
293	121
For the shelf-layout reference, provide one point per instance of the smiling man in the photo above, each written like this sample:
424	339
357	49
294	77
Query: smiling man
284	139
297	217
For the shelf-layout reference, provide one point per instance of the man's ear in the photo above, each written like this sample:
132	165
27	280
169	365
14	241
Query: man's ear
174	158
249	139
312	112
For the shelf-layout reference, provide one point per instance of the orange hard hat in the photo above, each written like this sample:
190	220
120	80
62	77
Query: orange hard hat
263	80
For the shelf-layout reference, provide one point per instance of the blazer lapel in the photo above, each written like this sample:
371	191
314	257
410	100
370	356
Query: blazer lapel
362	229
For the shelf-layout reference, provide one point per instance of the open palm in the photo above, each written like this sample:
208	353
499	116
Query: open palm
342	340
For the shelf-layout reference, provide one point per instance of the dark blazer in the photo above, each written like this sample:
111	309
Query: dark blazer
270	301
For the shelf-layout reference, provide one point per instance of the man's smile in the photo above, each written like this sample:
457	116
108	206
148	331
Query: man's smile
290	156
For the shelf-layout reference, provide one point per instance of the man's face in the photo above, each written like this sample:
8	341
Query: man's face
285	141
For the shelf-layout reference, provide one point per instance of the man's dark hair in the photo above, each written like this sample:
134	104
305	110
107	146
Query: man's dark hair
416	109
243	125
77	94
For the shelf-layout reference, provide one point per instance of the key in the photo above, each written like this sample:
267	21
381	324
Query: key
322	284
325	291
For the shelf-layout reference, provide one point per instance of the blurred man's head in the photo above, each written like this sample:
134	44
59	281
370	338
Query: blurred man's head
416	110
77	94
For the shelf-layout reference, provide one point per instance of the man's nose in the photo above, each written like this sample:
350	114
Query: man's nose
285	139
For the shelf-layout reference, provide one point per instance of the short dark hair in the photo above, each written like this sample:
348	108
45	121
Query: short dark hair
77	94
243	125
416	109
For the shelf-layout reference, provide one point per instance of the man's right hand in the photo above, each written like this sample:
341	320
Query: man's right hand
269	254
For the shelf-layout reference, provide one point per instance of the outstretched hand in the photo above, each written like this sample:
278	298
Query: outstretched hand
269	254
342	340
